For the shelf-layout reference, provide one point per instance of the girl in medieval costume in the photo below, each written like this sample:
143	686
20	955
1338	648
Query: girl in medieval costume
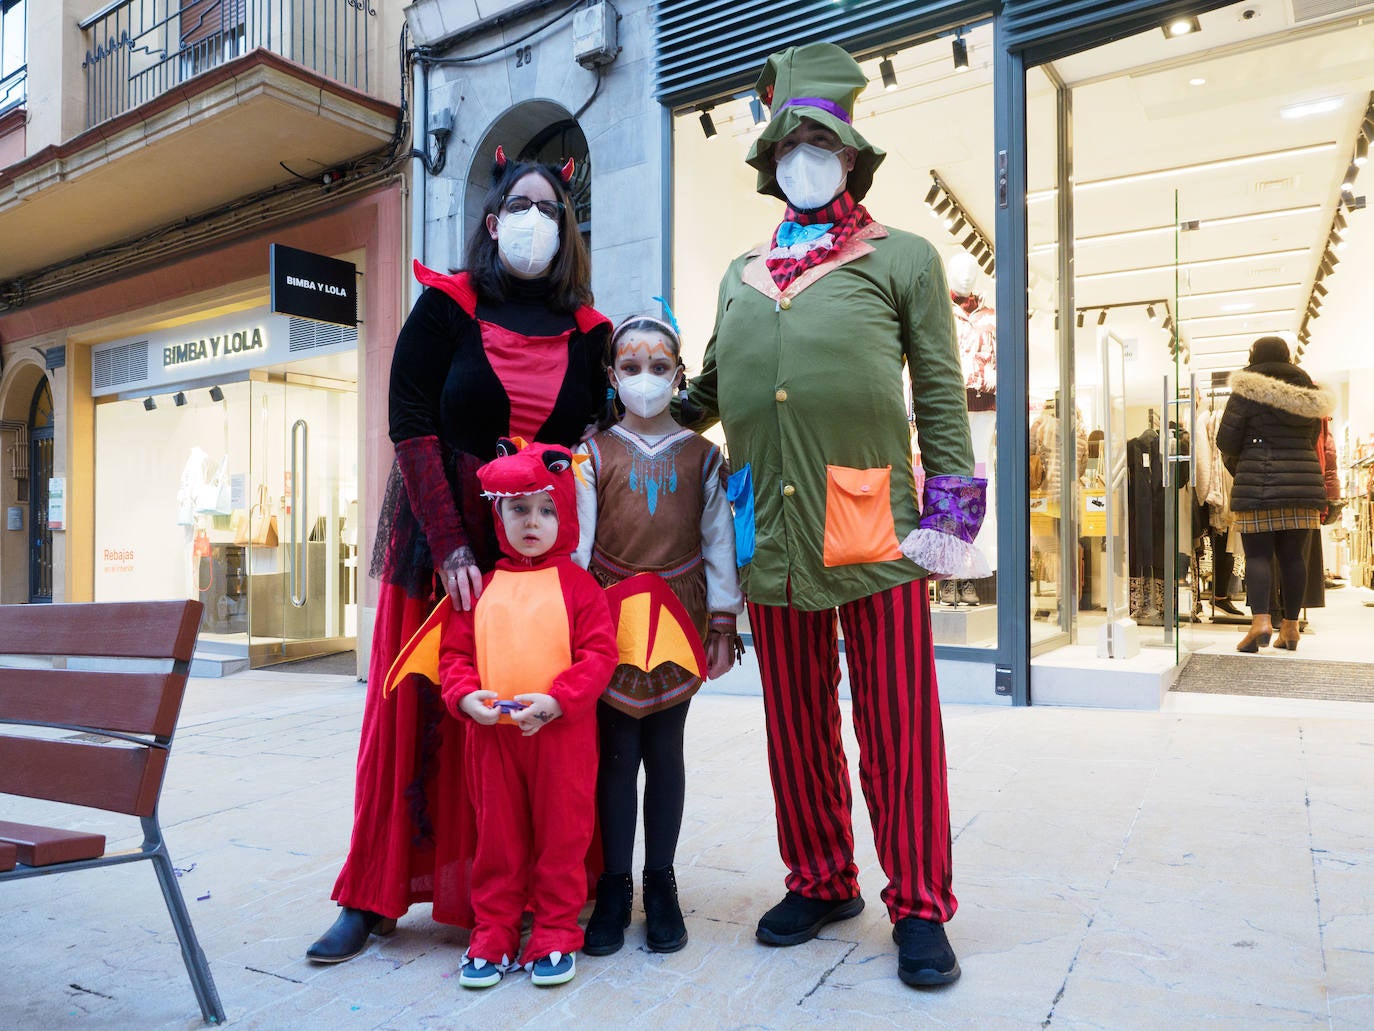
654	502
509	346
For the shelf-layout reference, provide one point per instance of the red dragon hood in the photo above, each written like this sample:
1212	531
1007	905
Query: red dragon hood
521	469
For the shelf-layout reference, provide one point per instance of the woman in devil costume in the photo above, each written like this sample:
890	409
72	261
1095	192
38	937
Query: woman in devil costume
509	347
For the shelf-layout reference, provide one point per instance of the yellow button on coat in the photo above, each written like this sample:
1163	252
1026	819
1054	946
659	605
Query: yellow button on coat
785	303
788	490
780	395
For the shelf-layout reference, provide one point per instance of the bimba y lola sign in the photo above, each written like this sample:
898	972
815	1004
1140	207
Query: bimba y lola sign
313	286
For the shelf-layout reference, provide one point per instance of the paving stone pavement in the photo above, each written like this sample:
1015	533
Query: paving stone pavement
1208	865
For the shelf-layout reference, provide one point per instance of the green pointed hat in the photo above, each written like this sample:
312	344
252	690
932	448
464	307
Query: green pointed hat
821	82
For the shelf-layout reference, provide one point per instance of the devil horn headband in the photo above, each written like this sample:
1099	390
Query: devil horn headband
566	172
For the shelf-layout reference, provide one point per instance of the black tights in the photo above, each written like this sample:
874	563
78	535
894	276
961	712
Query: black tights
656	741
1289	547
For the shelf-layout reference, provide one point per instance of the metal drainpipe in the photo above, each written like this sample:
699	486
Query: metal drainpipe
418	182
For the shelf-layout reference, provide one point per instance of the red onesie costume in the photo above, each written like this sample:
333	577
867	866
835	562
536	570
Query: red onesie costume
541	625
457	386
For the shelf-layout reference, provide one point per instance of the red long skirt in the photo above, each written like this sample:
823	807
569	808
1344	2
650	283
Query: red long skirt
414	828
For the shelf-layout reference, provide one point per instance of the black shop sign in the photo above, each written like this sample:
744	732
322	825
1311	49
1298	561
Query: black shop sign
313	286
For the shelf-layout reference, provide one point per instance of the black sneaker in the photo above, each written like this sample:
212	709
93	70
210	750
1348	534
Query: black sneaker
798	919
924	956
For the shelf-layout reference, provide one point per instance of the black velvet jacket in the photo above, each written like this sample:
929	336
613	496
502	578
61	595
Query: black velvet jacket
442	384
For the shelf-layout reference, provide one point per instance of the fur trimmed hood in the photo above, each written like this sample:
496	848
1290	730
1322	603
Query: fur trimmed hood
1308	402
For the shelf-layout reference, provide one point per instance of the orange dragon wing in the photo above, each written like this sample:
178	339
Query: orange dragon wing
421	653
652	626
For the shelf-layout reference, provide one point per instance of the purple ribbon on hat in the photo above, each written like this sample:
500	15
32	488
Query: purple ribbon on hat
954	505
828	106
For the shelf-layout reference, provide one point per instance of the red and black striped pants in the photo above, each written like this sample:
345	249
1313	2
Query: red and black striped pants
891	660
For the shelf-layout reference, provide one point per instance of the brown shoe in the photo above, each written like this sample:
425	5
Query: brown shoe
1289	635
1260	632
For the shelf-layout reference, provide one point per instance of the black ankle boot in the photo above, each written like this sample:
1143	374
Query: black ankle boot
348	936
610	916
665	929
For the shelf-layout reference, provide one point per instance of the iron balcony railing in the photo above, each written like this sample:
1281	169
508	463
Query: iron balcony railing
14	88
139	49
14	69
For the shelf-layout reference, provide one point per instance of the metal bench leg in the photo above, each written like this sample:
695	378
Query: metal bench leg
206	993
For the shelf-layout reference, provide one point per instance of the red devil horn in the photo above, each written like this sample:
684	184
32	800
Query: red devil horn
500	157
566	172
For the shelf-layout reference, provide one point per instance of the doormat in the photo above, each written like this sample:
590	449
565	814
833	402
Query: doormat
345	663
1277	676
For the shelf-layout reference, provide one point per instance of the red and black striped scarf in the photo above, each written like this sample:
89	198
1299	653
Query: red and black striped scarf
848	217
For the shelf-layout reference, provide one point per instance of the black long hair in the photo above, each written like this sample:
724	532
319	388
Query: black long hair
569	275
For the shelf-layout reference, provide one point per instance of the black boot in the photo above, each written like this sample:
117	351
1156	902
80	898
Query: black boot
611	915
348	936
665	929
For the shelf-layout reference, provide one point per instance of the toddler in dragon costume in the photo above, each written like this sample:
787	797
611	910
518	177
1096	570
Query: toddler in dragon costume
530	693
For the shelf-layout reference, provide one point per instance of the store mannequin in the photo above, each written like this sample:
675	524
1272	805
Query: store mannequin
976	324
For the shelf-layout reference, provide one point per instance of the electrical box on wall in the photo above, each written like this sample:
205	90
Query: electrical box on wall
594	34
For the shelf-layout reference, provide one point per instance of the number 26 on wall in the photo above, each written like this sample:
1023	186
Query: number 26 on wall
524	56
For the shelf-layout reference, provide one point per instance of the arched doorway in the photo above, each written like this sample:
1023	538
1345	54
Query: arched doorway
40	470
537	130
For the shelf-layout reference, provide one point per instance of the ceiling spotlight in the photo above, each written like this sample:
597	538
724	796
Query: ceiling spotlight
1079	321
960	48
888	73
991	267
1102	317
1056	320
756	111
1340	220
1348	183
1361	150
969	241
1320	287
933	195
179	398
1168	322
707	125
1149	311
1332	257
216	394
957	226
149	404
1175	27
944	205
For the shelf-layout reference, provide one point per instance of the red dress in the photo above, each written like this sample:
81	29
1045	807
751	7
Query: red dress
413	827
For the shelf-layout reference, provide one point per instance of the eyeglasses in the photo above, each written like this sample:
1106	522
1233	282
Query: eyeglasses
550	209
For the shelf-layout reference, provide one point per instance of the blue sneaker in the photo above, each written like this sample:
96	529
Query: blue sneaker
480	973
555	968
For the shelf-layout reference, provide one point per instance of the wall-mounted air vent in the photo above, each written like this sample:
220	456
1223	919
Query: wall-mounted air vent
115	366
312	336
1313	10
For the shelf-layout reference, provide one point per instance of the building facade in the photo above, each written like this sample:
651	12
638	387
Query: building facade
1108	278
170	434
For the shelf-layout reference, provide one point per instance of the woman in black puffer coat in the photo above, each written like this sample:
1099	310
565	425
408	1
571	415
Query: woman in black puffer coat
1268	440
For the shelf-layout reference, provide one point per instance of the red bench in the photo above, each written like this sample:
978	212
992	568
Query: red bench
114	721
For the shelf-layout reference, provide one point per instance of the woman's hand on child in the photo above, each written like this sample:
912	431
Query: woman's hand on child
720	656
539	709
475	706
462	579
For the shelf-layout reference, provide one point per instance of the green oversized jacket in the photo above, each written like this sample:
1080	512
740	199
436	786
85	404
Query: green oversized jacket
807	383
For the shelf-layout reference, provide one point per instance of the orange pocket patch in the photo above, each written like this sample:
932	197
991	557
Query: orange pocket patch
858	516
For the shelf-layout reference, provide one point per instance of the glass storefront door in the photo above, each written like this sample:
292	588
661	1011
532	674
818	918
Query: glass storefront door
302	555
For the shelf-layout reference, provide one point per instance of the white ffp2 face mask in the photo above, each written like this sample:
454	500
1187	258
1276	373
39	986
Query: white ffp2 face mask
811	176
527	242
645	394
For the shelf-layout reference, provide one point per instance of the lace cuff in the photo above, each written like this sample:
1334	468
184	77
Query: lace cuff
951	515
